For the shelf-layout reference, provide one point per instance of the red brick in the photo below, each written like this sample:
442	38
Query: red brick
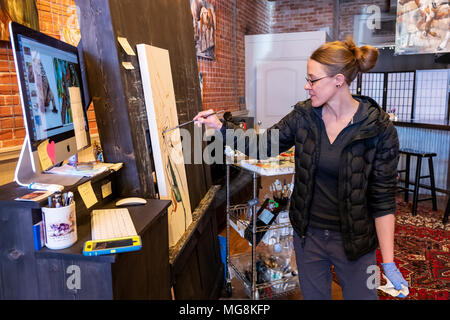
5	134
18	122
19	133
11	142
6	112
6	123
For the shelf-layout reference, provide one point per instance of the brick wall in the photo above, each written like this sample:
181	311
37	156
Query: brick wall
305	15
312	15
350	8
224	77
57	18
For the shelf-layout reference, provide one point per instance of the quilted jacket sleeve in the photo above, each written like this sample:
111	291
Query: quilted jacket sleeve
382	181
278	138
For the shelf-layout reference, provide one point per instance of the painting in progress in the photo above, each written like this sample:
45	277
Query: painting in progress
167	149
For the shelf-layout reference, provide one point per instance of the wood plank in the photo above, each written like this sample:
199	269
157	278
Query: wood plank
113	87
118	105
153	23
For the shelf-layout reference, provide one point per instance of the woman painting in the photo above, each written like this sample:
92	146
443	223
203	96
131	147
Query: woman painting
346	155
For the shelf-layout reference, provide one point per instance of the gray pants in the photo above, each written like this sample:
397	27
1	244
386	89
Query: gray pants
322	249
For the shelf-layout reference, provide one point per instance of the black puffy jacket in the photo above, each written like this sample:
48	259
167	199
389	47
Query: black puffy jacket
367	174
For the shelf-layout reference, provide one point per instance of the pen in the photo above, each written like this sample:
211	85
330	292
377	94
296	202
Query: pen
69	198
65	199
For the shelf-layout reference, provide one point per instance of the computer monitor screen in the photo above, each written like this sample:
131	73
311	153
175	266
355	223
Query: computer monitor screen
52	95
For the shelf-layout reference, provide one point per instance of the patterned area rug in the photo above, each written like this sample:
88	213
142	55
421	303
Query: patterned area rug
422	253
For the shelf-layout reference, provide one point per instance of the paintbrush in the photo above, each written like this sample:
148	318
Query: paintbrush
183	124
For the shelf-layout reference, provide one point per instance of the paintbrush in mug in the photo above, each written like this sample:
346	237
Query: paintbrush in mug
183	124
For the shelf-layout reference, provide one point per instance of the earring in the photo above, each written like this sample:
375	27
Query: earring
338	85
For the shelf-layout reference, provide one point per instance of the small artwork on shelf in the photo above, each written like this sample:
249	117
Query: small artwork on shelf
422	27
21	11
204	24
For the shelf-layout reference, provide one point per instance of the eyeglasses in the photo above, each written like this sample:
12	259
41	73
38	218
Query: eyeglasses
311	82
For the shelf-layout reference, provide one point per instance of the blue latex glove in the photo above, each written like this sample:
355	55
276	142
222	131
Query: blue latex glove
394	275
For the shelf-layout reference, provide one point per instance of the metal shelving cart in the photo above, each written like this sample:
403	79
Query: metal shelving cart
257	284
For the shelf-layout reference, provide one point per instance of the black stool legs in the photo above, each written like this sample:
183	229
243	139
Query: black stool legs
433	187
420	155
408	166
416	186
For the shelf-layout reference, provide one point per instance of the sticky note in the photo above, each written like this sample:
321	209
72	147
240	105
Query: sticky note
126	46
87	194
44	159
78	117
127	65
106	189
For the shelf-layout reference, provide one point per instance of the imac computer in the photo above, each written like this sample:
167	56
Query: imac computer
53	104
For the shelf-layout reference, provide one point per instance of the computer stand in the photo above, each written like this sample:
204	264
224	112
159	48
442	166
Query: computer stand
24	174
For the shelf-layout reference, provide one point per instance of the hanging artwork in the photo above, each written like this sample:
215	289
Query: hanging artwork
422	26
204	24
167	148
21	11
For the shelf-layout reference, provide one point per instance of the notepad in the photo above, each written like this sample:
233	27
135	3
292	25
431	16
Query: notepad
112	224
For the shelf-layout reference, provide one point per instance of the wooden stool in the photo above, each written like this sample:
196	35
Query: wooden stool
420	155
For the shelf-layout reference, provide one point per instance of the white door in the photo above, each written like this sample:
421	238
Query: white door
275	70
279	86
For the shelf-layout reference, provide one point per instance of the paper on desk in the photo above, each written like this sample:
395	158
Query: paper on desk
389	289
87	194
37	196
114	166
72	171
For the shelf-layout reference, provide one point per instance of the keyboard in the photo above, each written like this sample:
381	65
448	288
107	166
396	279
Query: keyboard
111	224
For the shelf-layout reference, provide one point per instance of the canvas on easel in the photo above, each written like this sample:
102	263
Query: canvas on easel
167	149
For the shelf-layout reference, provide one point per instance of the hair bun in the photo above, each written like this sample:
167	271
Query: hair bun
366	56
351	46
345	57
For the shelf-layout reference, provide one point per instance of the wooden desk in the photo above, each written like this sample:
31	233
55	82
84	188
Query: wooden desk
53	274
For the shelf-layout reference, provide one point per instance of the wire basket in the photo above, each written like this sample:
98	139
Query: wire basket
271	282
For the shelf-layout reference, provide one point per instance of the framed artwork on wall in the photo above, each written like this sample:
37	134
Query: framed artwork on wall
21	11
204	24
422	26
